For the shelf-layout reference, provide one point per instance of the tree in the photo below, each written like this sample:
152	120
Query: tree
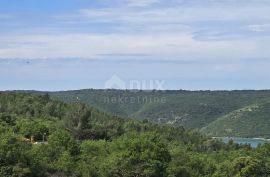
61	141
250	167
177	167
14	160
93	154
77	120
66	163
36	128
136	154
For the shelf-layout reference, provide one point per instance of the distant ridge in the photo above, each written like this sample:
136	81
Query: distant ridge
206	110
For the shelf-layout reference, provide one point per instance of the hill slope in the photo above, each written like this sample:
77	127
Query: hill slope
249	121
191	109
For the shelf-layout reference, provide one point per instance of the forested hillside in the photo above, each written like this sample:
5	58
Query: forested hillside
77	140
190	109
252	120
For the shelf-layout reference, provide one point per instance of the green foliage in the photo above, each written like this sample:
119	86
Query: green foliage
36	128
137	155
61	141
77	120
219	113
251	167
84	142
14	159
249	121
66	163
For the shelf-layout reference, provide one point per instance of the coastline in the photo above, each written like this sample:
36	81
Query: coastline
221	137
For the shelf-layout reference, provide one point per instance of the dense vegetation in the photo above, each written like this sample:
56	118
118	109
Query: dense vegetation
212	111
250	120
85	142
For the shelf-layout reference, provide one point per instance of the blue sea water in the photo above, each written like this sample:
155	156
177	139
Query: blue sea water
254	142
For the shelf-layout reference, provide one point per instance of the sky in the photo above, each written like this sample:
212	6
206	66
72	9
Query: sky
183	44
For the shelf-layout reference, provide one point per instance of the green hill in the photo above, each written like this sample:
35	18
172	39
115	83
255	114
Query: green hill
249	121
191	109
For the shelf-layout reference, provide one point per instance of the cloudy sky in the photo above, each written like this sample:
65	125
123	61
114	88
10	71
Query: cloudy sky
188	44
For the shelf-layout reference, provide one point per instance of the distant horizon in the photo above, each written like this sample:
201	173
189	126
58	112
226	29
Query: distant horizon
185	74
103	89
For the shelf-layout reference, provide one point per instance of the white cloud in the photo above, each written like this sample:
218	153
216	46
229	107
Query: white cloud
142	3
164	15
150	27
163	45
195	17
259	28
179	12
129	3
